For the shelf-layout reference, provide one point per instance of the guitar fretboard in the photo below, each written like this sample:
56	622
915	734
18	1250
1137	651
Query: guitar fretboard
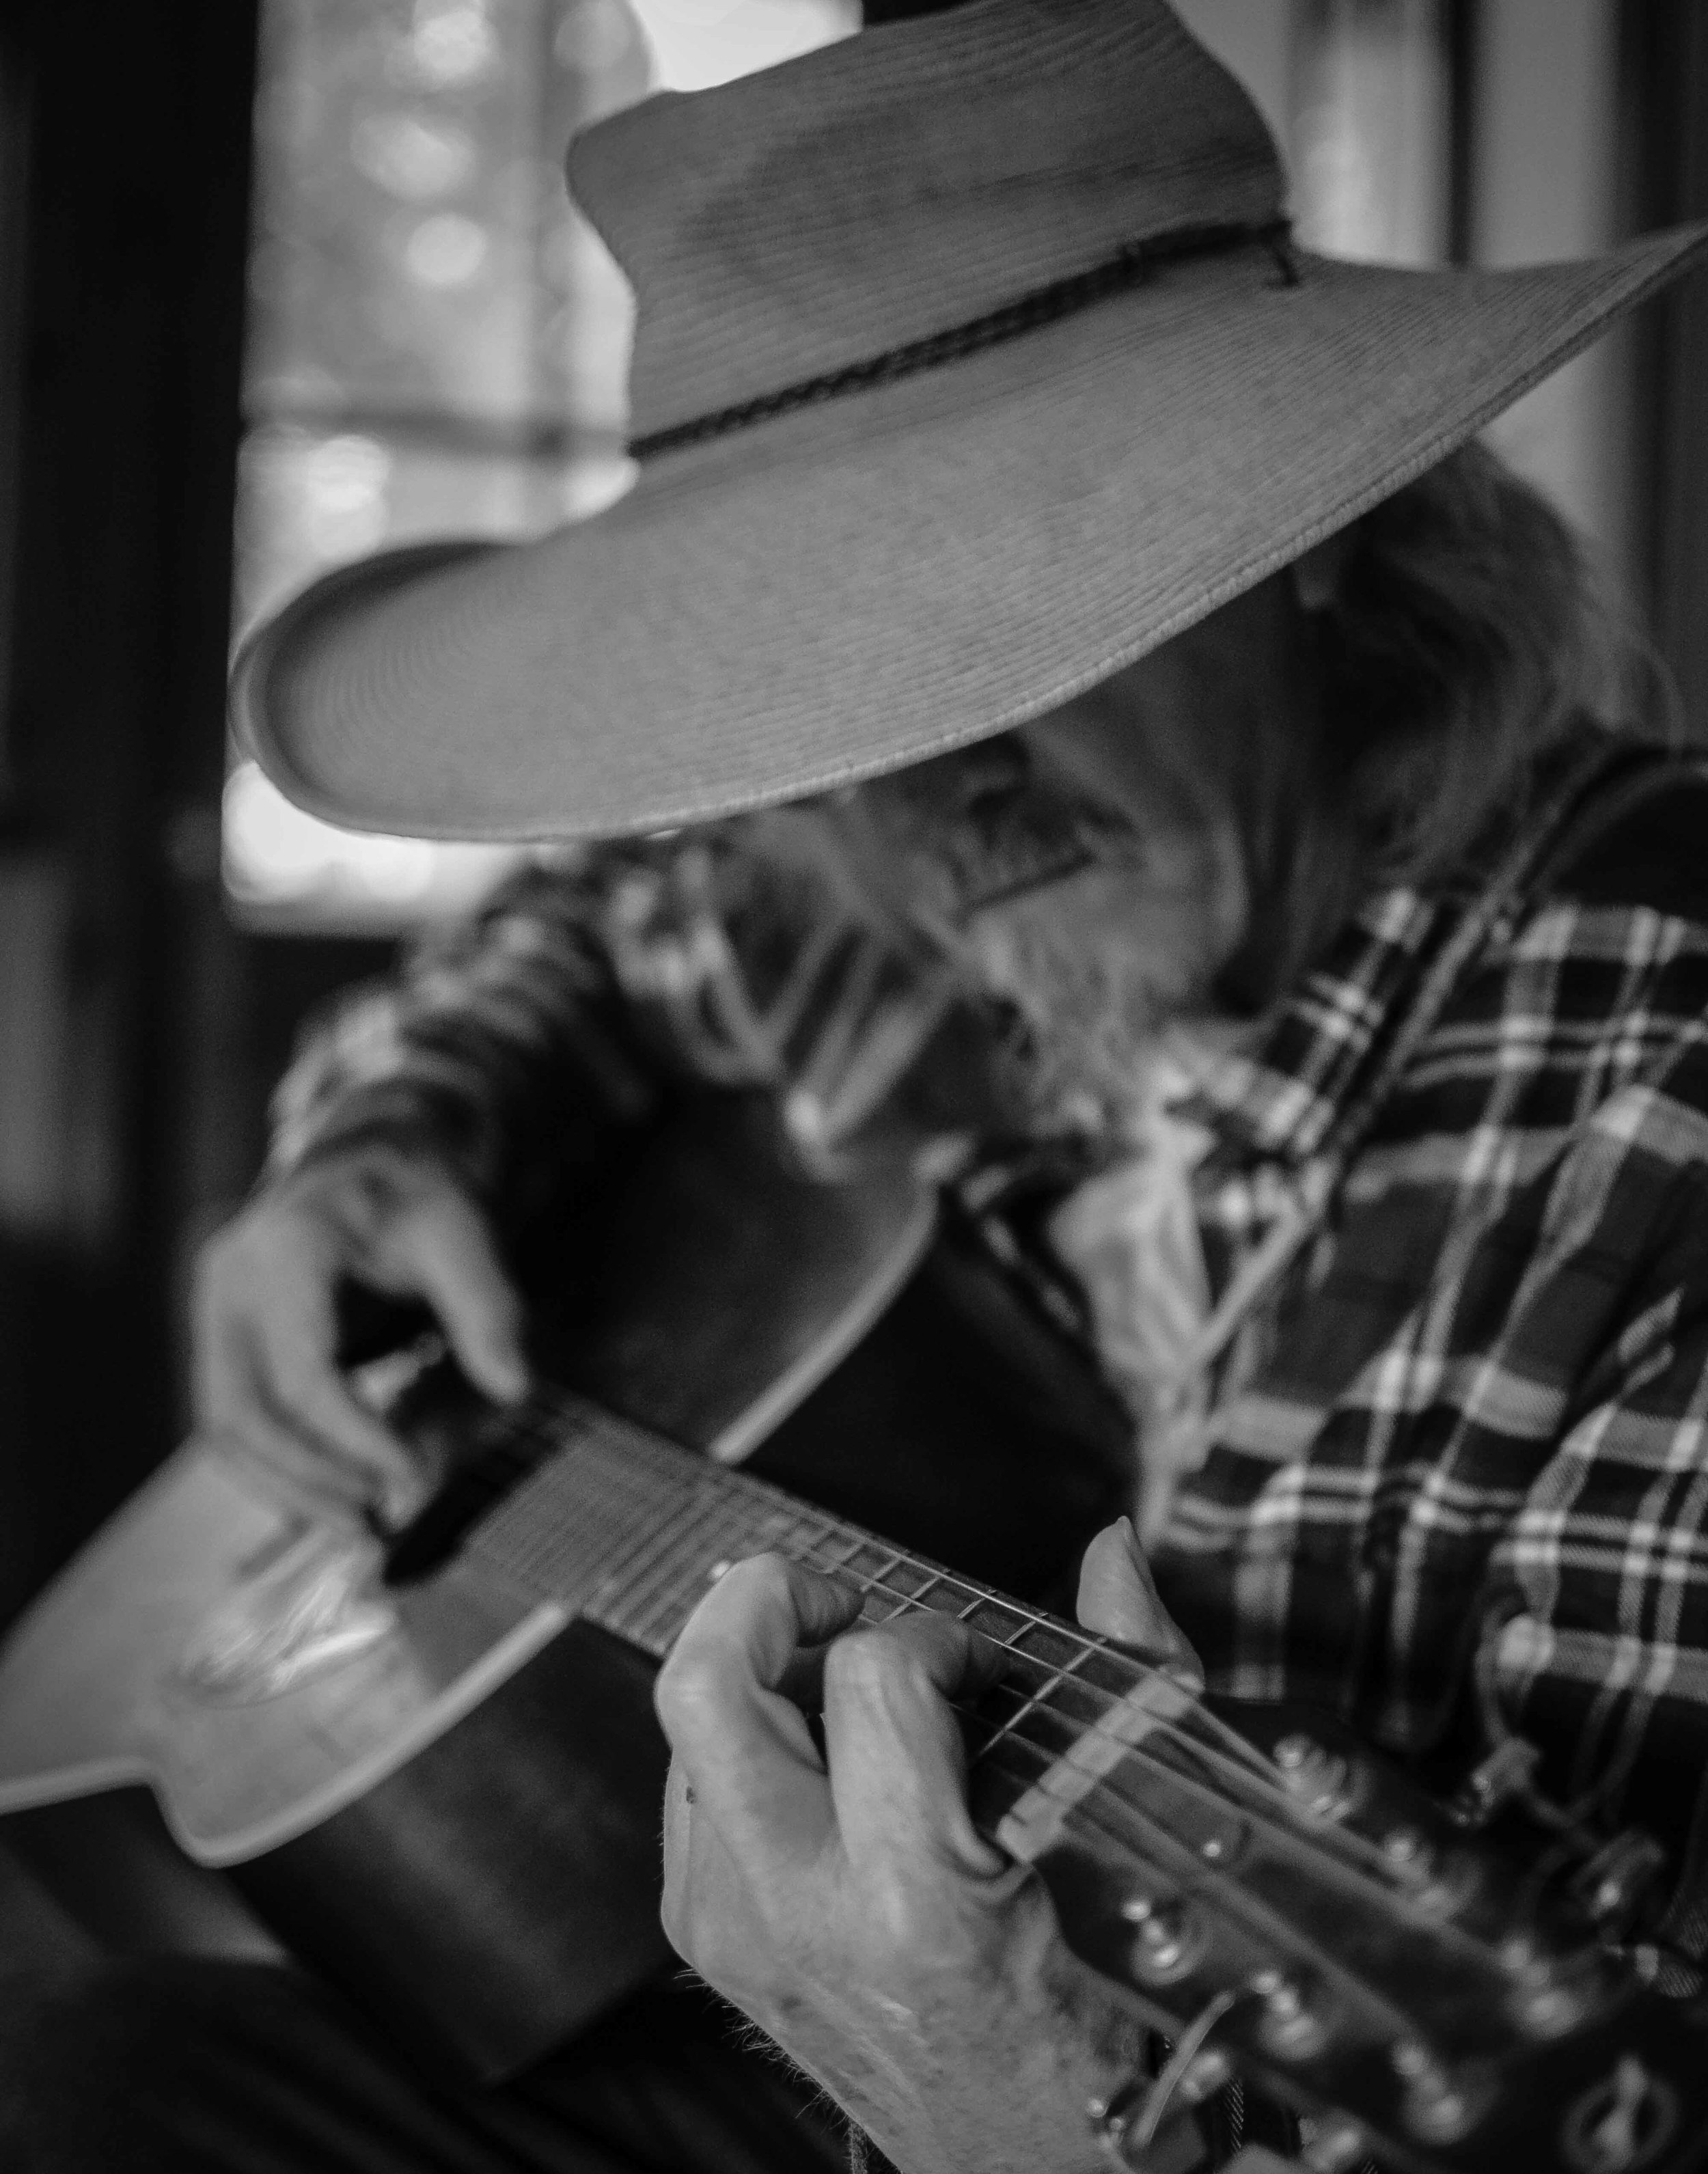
1229	1895
628	1532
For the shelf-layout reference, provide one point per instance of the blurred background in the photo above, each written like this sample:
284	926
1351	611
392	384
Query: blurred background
282	280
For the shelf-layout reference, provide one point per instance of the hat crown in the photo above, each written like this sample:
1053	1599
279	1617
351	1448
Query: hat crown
904	182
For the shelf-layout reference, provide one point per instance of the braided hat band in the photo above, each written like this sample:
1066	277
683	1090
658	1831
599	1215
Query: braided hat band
972	362
1130	267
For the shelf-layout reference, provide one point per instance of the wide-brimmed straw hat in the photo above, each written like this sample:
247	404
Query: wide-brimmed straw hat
973	361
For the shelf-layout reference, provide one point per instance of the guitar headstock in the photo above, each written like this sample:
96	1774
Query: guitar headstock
1421	1995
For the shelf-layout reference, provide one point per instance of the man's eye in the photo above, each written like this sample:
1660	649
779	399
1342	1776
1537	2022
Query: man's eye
994	772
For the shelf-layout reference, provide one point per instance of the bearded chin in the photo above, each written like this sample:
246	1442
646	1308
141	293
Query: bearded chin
1079	1031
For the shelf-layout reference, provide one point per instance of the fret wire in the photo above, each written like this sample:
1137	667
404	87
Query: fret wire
937	1574
654	1609
660	1578
917	1601
1331	1845
894	1559
1052	1678
1053	1673
591	1440
1256	1767
543	1477
718	1537
494	1539
656	1546
830	1527
816	1529
1037	1699
650	1533
655	1616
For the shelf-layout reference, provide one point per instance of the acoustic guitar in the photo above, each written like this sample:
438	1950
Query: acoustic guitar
433	1766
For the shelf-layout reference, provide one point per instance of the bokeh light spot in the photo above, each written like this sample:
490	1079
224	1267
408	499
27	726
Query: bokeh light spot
452	40
447	249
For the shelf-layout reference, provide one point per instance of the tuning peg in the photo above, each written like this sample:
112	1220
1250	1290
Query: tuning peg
1288	2023
1553	1989
1407	1851
1331	2144
1613	1884
1318	1780
1167	1939
1437	2107
1436	1882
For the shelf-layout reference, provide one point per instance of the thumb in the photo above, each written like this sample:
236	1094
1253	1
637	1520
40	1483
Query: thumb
1118	1599
458	1272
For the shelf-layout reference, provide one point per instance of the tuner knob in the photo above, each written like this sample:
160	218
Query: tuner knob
1409	1853
1613	1884
1625	2121
1318	1780
1552	1991
1288	2025
1331	2144
1167	1943
1437	2107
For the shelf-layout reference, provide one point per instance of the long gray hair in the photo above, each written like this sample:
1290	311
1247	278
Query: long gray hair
1465	643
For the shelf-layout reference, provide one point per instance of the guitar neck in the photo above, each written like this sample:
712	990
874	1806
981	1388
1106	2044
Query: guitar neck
1346	1942
628	1532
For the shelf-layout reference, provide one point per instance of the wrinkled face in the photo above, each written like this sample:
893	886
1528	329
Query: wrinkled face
1087	866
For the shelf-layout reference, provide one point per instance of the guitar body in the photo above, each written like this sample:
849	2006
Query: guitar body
434	1772
440	1789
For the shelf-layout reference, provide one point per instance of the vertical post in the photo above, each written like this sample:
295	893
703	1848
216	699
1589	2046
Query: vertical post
131	311
1460	31
16	113
1663	84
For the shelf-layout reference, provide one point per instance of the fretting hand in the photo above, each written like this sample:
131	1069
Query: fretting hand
848	1905
267	1385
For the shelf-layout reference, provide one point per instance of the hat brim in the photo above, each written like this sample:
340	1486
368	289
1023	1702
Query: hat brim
879	578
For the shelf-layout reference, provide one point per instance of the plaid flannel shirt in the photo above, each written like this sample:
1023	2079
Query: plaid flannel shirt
1458	1480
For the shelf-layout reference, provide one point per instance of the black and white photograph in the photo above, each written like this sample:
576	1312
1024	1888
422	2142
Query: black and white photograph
853	1086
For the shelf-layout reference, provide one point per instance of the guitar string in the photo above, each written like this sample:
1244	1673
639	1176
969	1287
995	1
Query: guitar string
631	1615
653	1587
1248	1766
729	1528
1312	1845
640	1546
654	1542
1307	1843
814	1529
823	1528
1262	1922
1122	1823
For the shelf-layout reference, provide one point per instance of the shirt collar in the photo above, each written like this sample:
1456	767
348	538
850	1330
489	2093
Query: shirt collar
1280	1097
